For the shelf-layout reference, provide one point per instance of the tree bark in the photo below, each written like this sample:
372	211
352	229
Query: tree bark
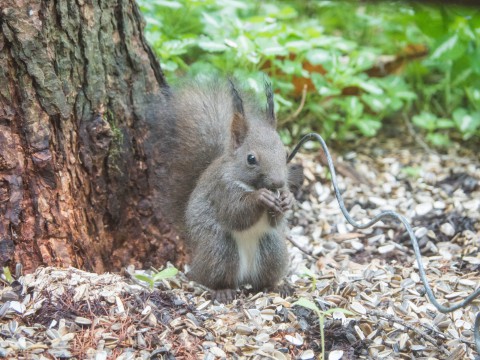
78	83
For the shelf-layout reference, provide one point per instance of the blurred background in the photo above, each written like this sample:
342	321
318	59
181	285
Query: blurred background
344	69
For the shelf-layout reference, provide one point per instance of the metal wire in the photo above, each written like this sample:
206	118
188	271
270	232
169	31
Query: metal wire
392	214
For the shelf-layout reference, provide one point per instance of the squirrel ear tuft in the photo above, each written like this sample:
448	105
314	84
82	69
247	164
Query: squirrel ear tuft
239	124
236	99
272	120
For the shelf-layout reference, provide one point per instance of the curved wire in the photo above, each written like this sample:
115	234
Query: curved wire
392	214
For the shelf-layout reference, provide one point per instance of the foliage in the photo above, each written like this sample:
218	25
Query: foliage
7	275
361	63
412	172
321	317
157	276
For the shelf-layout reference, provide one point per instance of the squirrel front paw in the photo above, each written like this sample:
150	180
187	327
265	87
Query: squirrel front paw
270	200
286	200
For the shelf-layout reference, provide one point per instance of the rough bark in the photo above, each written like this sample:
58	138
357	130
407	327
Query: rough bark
74	166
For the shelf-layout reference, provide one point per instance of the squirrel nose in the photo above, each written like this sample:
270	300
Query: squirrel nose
277	184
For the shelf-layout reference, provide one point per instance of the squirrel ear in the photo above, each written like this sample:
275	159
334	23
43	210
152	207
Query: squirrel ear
239	124
272	120
239	130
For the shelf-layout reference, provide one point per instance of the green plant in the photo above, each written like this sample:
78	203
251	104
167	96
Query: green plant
157	276
310	275
447	81
7	274
321	317
412	172
361	63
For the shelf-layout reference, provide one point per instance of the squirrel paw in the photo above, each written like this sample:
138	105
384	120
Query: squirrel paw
269	200
284	290
286	200
224	296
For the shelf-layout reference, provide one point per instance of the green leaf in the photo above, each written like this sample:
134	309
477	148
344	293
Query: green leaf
376	103
287	12
309	274
211	20
343	44
281	100
370	87
290	67
202	67
319	57
212	46
245	45
176	47
323	87
425	120
461	77
146	278
474	63
168	4
298	45
465	121
368	127
285	136
307	304
165	273
274	50
445	124
406	95
450	49
170	66
473	95
354	107
332	310
439	140
7	274
410	171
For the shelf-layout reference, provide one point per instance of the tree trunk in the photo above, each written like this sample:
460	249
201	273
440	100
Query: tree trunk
75	188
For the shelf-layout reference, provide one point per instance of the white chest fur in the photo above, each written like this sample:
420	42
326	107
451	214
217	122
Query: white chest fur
248	242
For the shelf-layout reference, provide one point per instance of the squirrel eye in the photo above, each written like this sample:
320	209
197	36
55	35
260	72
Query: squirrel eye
251	159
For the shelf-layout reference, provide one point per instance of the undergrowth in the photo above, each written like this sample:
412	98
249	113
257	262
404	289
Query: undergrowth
339	68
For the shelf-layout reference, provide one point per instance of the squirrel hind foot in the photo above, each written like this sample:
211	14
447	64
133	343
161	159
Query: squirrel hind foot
224	296
283	289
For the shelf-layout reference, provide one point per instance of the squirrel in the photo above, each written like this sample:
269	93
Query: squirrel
225	185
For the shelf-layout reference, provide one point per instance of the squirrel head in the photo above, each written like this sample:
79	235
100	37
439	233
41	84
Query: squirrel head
260	158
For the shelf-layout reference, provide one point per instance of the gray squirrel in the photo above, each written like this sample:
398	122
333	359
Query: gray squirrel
225	184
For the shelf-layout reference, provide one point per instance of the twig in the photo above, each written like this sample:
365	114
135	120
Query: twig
417	138
300	107
420	333
471	344
429	150
289	238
